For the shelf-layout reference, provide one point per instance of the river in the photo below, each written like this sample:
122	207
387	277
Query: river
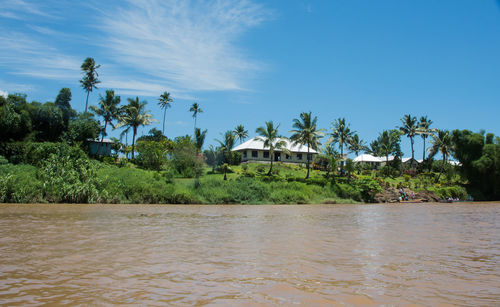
311	255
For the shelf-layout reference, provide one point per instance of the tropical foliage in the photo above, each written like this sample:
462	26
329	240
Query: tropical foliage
305	132
269	136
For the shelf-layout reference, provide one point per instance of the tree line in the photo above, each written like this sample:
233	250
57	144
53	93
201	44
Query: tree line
56	121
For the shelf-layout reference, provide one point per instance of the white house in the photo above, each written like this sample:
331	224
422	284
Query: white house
253	150
375	162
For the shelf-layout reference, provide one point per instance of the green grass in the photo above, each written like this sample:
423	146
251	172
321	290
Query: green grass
246	184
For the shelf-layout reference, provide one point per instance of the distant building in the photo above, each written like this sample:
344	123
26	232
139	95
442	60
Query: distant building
408	161
98	149
375	162
253	150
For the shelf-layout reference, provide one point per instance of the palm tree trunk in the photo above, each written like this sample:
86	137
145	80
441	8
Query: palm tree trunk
341	159
133	142
412	152
195	123
442	167
307	176
87	101
102	137
423	154
270	156
164	114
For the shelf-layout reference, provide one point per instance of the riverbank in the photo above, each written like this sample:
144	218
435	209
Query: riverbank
98	182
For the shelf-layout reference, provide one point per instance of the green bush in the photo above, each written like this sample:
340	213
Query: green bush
66	179
19	184
38	152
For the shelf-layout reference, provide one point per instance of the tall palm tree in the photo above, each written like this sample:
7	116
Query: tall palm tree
409	128
226	144
340	133
164	102
199	138
195	108
332	157
305	132
271	139
442	142
133	116
108	109
241	133
387	144
424	129
89	80
356	145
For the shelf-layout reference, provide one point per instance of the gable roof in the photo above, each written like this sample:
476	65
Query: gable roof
370	158
256	144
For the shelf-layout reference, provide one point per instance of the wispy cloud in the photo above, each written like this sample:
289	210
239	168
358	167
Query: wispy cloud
184	44
145	46
15	87
16	9
25	55
3	93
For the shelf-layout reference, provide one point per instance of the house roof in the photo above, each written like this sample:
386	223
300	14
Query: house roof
404	160
370	158
99	141
256	144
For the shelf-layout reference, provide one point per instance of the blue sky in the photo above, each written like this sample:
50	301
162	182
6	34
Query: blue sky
246	62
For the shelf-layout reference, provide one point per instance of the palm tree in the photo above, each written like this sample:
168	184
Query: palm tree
332	157
226	145
340	133
442	142
271	139
164	102
134	115
306	133
108	109
199	138
356	145
195	108
89	80
212	156
424	129
409	128
241	133
387	144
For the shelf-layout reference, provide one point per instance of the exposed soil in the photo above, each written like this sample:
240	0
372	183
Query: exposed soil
391	195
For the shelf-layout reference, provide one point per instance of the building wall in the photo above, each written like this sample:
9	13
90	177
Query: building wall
292	158
104	150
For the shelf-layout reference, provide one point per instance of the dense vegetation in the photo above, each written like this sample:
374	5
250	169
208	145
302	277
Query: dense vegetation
44	157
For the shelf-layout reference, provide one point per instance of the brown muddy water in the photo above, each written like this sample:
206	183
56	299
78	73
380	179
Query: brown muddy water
311	255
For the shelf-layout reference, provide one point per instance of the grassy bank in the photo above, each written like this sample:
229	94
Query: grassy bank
56	180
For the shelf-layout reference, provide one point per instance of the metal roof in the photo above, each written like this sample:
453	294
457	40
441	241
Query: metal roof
257	144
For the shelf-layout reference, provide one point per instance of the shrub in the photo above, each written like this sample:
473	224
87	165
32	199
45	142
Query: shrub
69	180
18	184
36	153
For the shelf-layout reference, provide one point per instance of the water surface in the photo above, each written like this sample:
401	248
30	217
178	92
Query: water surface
311	255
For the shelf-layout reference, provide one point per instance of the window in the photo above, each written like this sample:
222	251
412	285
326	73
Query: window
287	157
310	157
255	153
299	156
245	154
266	154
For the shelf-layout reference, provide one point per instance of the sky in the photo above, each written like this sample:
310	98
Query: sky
247	62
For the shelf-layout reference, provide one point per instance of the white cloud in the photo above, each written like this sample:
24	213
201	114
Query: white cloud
4	93
16	9
184	44
28	56
145	46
